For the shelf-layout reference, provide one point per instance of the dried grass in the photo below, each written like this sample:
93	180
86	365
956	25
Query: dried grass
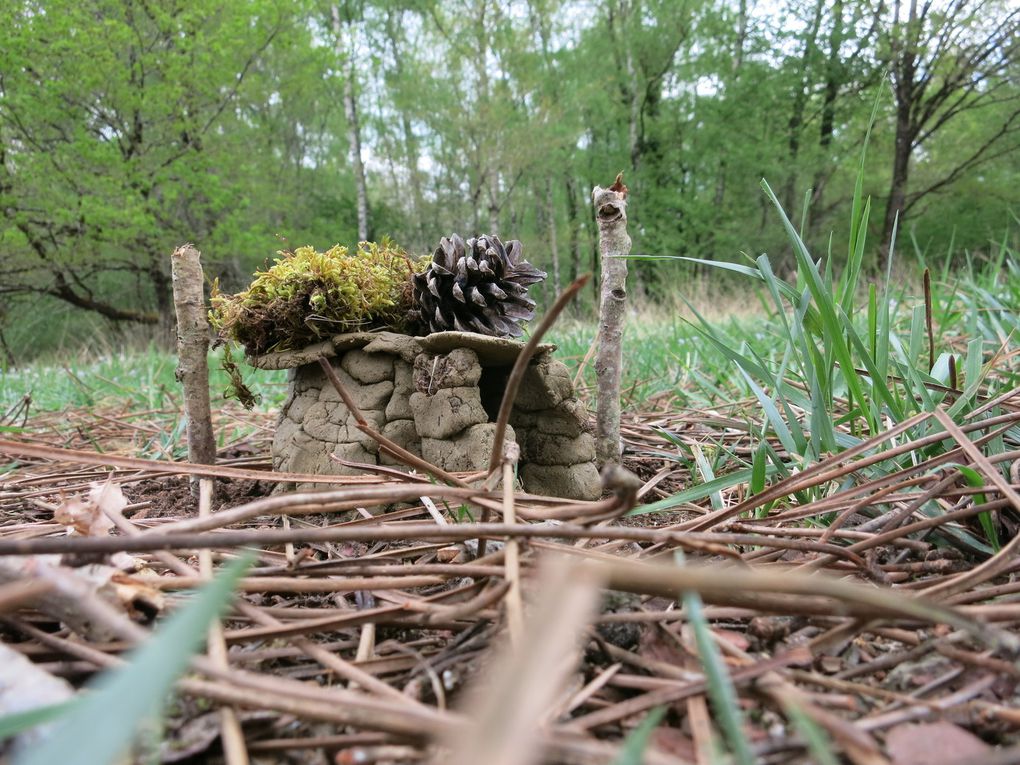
835	596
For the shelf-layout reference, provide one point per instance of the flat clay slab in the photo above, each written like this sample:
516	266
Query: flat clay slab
492	351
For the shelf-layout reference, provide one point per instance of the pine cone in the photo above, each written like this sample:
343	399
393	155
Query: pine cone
476	286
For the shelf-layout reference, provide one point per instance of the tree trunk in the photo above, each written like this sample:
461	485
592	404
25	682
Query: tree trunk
796	121
828	121
163	290
9	360
738	58
905	73
738	64
410	140
550	218
575	228
617	19
494	205
898	183
614	244
351	113
354	137
193	353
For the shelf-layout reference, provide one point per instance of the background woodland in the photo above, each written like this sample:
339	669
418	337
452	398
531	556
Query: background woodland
127	127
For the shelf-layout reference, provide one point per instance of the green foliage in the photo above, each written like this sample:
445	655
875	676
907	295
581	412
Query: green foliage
721	691
126	130
309	295
817	740
841	369
633	750
18	722
135	379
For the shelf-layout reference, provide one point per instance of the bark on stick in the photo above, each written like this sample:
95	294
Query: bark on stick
192	353
614	245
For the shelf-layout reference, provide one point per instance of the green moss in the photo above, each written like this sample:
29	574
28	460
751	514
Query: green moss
307	296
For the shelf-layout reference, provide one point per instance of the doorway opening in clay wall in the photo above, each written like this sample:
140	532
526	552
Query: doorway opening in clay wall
492	385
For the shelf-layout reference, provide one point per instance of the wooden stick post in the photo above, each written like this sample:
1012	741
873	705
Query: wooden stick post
192	354
614	246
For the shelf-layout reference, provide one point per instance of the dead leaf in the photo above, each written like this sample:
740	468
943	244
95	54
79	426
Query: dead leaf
654	645
110	502
75	515
937	743
736	639
672	741
91	518
618	185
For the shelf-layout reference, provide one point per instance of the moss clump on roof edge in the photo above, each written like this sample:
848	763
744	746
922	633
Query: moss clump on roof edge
306	296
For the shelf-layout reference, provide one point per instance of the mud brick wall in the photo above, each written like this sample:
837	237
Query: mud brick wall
438	397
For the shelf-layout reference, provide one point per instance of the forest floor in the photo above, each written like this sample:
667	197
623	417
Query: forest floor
854	616
819	563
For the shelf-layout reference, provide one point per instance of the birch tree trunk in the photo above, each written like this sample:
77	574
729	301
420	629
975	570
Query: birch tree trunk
351	113
614	245
411	151
192	353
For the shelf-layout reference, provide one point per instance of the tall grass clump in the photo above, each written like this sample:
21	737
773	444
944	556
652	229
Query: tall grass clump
137	379
850	354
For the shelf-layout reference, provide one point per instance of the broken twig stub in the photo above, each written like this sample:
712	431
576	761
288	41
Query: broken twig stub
192	353
614	246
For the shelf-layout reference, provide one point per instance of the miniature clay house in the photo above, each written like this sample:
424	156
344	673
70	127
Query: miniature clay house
438	397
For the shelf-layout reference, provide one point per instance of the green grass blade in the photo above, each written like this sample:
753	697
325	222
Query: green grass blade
102	727
777	286
633	750
695	493
852	272
881	355
779	426
820	424
707	474
974	480
721	690
834	338
814	736
13	724
758	463
974	376
707	331
873	319
879	384
735	267
804	212
918	335
855	206
788	291
892	249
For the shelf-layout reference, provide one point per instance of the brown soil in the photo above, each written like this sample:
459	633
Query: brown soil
170	496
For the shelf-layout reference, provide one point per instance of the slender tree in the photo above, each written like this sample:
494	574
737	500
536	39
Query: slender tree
946	61
345	44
